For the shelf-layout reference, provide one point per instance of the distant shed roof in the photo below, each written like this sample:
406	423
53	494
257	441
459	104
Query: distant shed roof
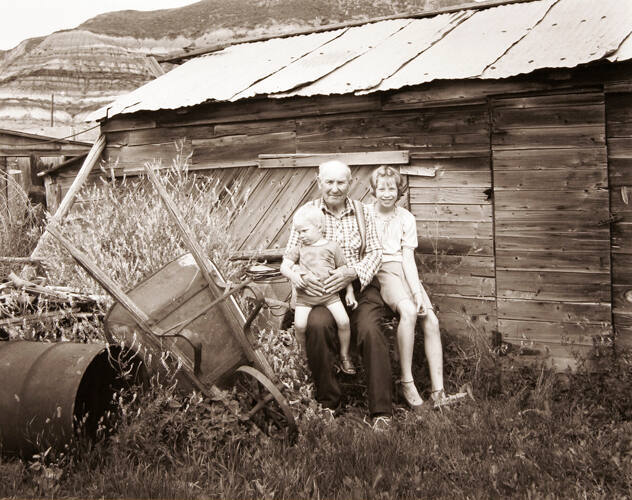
494	42
17	143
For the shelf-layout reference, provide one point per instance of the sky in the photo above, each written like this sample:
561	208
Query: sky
22	19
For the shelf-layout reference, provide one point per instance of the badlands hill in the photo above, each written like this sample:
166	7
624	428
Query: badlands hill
70	73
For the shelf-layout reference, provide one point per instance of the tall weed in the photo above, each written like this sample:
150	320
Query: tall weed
21	222
126	231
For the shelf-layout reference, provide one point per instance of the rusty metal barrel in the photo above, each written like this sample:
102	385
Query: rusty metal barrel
49	393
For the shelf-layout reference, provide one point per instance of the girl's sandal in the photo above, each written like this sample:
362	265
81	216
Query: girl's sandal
410	394
346	366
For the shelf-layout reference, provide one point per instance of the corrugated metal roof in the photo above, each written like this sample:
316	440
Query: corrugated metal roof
624	52
220	75
495	42
327	59
386	57
573	32
481	39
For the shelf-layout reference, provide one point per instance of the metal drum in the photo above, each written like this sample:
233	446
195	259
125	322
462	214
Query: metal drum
51	392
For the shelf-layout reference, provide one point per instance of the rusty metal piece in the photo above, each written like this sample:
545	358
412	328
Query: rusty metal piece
52	392
272	393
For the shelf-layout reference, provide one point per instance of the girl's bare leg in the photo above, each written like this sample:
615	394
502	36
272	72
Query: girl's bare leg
405	345
434	349
406	337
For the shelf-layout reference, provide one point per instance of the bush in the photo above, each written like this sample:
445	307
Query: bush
126	231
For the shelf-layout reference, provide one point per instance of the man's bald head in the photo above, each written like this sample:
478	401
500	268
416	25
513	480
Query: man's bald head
333	167
334	181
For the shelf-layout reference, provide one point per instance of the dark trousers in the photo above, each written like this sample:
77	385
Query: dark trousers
366	331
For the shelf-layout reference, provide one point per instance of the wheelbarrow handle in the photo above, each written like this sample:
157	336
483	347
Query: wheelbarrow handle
259	302
197	357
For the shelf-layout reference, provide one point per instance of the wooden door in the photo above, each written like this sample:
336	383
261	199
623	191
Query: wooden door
551	211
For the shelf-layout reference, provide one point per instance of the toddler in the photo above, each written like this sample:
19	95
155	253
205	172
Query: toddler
316	256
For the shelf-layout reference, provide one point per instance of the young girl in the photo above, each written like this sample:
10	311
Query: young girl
401	288
317	256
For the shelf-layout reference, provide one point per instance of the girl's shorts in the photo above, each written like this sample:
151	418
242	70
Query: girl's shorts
393	285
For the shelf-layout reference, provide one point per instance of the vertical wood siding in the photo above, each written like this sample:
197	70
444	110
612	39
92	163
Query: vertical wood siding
550	204
453	209
619	128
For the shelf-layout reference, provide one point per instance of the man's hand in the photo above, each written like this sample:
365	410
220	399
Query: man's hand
312	286
339	278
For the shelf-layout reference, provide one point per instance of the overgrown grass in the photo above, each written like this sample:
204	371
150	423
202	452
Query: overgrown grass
20	222
528	433
537	435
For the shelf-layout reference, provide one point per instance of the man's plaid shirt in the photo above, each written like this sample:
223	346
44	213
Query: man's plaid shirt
344	230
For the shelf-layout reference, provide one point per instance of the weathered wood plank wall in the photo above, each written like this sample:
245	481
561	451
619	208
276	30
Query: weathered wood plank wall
550	201
510	190
453	206
619	131
453	209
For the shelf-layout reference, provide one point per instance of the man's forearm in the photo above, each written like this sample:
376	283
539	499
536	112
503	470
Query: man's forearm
368	266
350	273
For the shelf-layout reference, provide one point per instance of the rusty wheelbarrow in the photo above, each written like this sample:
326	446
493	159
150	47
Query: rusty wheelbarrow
202	335
185	318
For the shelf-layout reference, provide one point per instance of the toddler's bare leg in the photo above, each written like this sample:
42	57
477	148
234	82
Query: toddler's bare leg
301	313
339	313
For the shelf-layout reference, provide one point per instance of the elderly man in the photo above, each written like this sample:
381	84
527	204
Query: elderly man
363	261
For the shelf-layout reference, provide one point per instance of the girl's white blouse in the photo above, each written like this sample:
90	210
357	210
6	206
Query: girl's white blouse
396	231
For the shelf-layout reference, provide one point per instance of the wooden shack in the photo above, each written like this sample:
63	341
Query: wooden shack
24	155
512	122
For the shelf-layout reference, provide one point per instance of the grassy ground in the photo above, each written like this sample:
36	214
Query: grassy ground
528	432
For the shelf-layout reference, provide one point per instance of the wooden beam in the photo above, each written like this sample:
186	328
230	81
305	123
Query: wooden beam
399	157
270	255
65	205
42	150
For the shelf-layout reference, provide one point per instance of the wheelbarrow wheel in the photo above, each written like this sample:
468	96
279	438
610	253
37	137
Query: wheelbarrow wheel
264	405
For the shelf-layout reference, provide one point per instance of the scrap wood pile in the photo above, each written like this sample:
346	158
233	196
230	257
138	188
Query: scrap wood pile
34	309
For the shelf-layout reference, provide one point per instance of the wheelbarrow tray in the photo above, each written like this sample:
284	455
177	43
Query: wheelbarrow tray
172	296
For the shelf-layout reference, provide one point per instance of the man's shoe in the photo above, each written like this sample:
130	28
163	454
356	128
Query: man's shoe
332	413
381	423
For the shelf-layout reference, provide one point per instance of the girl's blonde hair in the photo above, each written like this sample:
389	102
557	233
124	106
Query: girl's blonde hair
310	214
385	172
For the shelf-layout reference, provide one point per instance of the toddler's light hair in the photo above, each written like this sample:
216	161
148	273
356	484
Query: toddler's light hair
385	172
310	214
